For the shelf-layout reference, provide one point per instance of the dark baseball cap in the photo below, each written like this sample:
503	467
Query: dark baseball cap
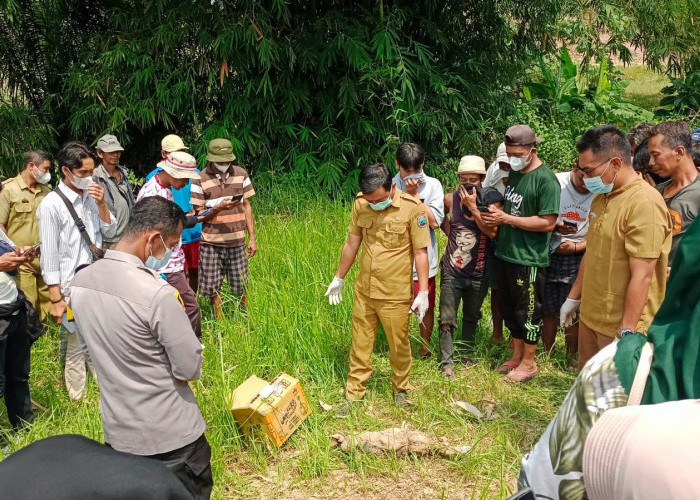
491	195
521	135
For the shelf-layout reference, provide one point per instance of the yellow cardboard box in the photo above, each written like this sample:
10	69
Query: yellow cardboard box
276	408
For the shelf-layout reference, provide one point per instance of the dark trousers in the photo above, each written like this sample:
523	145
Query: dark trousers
471	292
15	350
192	466
179	281
520	290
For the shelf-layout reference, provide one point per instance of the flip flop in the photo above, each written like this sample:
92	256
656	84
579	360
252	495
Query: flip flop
448	372
507	367
520	376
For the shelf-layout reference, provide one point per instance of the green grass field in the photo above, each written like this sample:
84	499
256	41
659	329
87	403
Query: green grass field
645	86
290	327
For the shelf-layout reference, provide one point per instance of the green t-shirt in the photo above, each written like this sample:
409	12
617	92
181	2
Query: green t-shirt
534	193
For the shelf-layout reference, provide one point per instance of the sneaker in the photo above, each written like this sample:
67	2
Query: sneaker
401	400
346	408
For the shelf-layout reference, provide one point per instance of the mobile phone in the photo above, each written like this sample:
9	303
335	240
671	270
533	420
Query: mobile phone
469	188
483	208
238	197
568	223
32	249
205	213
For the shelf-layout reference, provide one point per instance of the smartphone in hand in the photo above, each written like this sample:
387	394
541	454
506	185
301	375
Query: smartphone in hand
34	249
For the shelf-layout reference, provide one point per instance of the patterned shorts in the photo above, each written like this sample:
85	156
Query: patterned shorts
561	275
215	262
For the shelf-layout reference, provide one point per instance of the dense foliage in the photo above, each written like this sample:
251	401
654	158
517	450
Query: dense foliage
311	90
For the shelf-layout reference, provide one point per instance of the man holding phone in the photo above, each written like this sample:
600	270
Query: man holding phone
567	248
225	189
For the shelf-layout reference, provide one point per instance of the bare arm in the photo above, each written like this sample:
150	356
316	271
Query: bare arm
535	223
250	226
348	255
421	257
576	288
445	226
642	272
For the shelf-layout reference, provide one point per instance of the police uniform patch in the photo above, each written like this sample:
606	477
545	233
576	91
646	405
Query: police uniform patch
422	221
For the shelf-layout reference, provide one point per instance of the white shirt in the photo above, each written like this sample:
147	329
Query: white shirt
431	192
8	288
495	177
62	247
573	207
151	188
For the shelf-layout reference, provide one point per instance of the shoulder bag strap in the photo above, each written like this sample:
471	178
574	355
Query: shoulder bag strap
640	377
78	222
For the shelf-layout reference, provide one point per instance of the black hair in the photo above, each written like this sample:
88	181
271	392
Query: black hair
606	139
72	155
675	134
696	153
640	162
154	213
638	133
372	177
35	156
410	156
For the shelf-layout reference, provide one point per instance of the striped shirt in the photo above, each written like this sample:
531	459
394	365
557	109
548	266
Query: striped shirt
153	187
8	288
62	247
227	228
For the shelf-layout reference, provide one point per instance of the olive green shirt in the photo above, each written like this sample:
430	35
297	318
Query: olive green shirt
18	206
119	197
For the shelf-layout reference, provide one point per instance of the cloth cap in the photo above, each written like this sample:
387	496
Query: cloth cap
109	144
180	165
471	164
491	195
171	143
501	155
521	135
220	151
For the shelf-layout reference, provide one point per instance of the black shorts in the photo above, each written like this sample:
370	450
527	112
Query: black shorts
560	277
520	290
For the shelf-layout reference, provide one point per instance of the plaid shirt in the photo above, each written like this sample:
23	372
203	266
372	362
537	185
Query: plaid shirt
227	228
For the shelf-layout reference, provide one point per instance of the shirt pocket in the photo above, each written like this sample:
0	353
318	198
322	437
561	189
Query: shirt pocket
394	233
364	222
22	210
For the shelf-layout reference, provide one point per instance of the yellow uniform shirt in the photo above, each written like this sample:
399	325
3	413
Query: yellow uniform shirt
631	221
389	237
18	210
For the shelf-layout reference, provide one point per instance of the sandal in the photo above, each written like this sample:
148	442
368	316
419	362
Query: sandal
507	367
520	376
448	372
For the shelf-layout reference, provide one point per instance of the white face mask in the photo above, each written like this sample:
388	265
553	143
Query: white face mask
81	182
42	177
517	163
222	167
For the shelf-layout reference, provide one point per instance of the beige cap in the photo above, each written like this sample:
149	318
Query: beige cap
472	165
109	144
501	155
180	165
171	143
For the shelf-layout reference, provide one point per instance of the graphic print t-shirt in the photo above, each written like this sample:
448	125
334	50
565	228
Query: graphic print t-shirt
573	207
533	193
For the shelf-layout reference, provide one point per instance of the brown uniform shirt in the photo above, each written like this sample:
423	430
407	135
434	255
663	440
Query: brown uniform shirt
388	239
18	210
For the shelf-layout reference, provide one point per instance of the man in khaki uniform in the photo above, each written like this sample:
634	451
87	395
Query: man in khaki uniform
18	201
393	230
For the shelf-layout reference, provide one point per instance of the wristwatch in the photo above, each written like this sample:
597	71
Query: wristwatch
623	332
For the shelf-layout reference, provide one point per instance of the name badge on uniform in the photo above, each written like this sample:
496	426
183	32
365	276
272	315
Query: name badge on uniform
422	221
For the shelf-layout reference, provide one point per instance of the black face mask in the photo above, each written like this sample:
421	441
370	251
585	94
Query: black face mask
470	189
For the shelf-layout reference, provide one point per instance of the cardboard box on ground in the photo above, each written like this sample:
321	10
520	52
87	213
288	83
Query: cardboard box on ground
276	408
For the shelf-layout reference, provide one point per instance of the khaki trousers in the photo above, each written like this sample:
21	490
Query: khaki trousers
589	343
29	280
366	315
76	363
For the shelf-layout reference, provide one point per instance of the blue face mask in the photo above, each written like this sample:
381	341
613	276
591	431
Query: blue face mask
419	177
596	185
156	264
381	205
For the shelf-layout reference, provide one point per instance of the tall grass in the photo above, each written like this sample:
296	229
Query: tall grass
290	327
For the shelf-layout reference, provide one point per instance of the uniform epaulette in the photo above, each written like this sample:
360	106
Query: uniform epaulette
410	198
359	195
7	181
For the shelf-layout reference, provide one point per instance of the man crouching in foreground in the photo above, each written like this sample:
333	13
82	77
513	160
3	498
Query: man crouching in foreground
135	329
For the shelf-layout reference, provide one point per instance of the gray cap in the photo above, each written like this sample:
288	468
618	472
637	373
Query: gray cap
109	144
521	135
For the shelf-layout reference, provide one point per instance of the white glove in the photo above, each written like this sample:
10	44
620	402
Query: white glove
335	291
420	305
568	311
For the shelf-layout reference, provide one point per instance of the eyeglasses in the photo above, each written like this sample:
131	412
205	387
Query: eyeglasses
588	171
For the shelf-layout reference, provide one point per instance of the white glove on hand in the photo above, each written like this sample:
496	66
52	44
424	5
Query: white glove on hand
568	311
335	291
420	305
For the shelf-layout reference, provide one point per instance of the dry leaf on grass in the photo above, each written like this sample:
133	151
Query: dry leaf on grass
469	408
324	406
